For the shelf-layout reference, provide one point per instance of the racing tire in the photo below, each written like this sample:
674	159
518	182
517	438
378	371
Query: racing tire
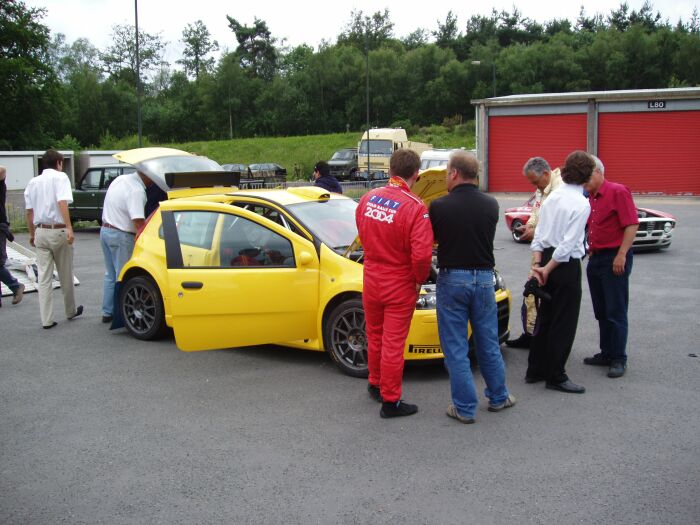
344	338
141	306
517	223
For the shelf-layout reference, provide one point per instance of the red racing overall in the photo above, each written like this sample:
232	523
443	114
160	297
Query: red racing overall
398	241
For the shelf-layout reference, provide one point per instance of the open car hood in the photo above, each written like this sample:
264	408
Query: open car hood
432	185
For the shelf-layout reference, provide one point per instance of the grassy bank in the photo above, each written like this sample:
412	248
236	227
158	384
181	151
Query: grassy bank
299	154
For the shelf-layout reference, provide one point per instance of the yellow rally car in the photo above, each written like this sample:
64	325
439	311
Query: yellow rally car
225	267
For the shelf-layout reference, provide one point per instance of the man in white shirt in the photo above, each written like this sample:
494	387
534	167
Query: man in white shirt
46	200
557	251
122	216
545	180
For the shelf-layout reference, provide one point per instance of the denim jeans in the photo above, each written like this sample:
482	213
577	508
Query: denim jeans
610	298
117	247
467	296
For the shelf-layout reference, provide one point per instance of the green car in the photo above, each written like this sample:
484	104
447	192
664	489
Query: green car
89	193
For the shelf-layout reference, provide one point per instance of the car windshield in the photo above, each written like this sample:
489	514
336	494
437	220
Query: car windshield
332	221
342	155
377	147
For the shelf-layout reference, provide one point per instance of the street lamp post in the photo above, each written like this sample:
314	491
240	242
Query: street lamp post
138	72
493	70
367	95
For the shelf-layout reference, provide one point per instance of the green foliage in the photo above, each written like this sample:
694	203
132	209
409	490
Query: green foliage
67	143
30	91
198	45
256	48
364	31
120	58
53	89
299	154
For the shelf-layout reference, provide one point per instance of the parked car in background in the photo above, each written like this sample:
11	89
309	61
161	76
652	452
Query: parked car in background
236	168
655	227
434	158
267	170
89	193
343	164
518	216
233	268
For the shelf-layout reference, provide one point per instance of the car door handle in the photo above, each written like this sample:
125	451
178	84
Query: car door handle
192	285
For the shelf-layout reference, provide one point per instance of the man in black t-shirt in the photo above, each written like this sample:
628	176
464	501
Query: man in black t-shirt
464	222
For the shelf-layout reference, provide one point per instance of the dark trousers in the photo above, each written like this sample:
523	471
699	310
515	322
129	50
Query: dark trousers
610	298
558	319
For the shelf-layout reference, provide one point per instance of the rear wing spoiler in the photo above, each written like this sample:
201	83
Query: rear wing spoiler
202	179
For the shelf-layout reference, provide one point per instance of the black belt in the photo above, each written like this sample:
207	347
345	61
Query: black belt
605	251
111	226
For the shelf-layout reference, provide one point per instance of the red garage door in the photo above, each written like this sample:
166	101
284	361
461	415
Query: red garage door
514	139
652	152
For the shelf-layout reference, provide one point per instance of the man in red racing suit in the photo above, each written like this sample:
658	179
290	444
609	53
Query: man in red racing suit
397	237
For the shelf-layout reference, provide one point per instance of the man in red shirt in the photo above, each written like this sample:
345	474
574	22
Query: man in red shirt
612	226
395	231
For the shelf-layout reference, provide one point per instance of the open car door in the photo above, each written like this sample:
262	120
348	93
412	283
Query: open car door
236	278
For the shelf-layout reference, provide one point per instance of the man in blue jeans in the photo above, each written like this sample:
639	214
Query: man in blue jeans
464	223
122	216
6	277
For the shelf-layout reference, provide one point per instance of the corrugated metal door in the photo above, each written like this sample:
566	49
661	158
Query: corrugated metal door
635	149
514	139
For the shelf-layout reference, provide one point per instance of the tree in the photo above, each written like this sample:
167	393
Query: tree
415	39
30	96
447	33
67	59
119	59
198	45
363	30
256	48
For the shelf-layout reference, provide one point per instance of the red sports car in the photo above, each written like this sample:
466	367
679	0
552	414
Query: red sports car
655	227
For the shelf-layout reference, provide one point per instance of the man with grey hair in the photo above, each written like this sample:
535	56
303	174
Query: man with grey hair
545	180
612	227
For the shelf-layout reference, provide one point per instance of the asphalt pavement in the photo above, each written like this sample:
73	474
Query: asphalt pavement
98	427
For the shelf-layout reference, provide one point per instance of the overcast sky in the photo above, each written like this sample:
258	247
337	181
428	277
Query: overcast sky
301	21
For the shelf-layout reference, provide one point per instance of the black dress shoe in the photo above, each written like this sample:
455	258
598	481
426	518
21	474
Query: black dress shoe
566	386
106	318
521	342
617	369
78	312
597	360
49	326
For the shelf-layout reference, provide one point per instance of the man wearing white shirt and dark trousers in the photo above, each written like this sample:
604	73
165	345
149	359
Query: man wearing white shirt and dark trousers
46	201
558	247
122	216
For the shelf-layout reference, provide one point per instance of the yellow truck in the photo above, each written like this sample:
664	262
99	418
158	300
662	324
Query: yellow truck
375	151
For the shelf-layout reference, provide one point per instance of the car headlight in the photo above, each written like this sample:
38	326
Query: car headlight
668	227
498	282
427	300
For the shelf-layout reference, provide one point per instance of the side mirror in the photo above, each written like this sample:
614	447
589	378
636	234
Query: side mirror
305	258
